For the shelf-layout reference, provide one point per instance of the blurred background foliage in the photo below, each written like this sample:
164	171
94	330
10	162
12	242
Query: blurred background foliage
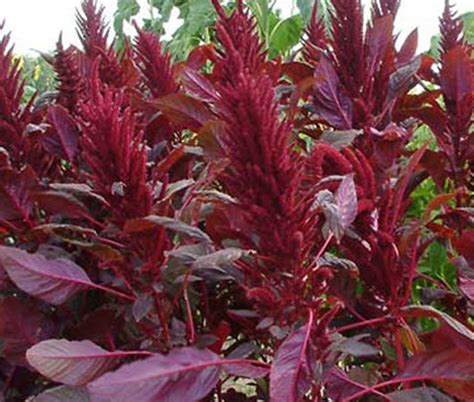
194	19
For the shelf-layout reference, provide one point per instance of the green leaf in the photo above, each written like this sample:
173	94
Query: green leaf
164	7
286	35
468	20
127	8
305	7
198	17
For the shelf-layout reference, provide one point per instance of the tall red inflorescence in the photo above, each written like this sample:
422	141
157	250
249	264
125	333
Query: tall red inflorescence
347	30
70	82
154	64
93	34
451	28
113	148
242	47
11	92
264	174
457	86
316	37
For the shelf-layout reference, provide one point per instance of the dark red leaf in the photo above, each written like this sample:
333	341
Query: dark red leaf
425	394
402	185
200	55
63	141
402	78
62	394
409	48
197	86
21	326
340	386
457	79
340	139
451	333
62	203
74	362
380	37
220	259
290	375
465	277
53	281
452	370
464	245
15	194
247	370
297	71
152	221
186	374
330	102
183	110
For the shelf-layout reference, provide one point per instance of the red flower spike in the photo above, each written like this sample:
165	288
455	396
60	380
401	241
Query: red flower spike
92	29
347	22
241	44
316	37
452	29
93	34
154	64
113	148
71	85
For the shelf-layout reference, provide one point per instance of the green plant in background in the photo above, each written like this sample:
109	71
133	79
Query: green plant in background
197	17
279	35
38	75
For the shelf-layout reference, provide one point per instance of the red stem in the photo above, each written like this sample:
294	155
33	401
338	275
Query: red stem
189	312
365	387
164	325
114	292
373	389
366	323
399	350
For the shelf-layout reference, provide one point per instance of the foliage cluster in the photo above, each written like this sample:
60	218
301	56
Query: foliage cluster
250	223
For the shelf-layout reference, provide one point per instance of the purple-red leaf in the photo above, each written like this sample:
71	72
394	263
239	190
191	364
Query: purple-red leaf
456	333
58	202
63	142
15	194
380	36
402	185
340	386
457	80
152	221
183	110
291	372
246	369
220	259
464	245
330	102
424	394
465	277
408	49
197	85
451	369
63	394
73	362
186	374
21	326
53	281
402	78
